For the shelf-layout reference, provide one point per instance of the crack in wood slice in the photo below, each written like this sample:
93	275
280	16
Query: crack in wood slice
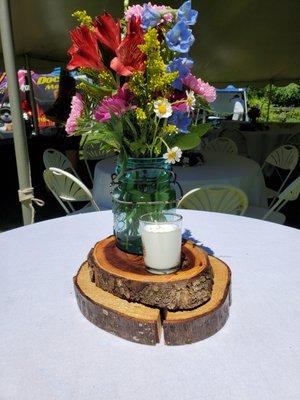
125	276
142	324
131	321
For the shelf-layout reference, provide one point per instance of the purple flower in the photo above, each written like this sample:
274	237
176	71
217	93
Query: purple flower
180	38
150	17
183	65
186	14
181	120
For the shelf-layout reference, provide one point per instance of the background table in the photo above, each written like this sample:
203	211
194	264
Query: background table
257	144
219	168
261	143
48	350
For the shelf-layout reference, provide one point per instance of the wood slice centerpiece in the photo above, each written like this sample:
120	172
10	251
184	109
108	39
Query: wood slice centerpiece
124	275
142	324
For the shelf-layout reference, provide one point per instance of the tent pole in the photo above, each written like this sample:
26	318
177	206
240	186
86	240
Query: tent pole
31	96
246	107
269	102
20	142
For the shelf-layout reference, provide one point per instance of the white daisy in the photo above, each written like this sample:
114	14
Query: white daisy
173	155
190	100
163	108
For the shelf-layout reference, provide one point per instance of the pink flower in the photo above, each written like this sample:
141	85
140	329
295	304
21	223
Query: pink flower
111	105
168	17
76	110
136	11
200	87
180	107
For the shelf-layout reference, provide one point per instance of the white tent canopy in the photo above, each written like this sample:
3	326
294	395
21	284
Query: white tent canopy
236	41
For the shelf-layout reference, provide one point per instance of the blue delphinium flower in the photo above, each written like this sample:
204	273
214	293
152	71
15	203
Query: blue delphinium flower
181	120
183	65
150	17
180	38
186	14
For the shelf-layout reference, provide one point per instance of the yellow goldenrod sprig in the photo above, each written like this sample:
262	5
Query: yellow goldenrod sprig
158	79
83	18
136	83
140	114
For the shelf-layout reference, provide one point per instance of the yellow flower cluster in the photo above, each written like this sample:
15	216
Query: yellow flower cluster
169	129
140	114
83	18
136	83
158	79
106	79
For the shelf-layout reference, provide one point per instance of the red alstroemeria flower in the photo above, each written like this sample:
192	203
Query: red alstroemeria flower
134	26
108	31
84	51
129	57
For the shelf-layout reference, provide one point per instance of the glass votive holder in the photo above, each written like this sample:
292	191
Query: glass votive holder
161	239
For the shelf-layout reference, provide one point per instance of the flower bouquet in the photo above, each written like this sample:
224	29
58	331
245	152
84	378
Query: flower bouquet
137	97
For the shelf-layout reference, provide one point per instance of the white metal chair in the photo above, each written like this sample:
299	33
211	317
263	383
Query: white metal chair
294	140
91	151
284	157
66	188
238	138
222	145
272	214
56	159
218	198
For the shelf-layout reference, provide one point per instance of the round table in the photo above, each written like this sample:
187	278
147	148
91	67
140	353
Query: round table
48	350
218	168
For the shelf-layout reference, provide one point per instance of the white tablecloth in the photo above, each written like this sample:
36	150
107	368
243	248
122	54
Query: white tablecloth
219	168
48	350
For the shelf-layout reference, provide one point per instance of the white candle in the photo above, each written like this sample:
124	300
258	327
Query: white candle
161	247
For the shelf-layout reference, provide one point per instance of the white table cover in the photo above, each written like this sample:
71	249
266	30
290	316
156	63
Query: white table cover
48	350
219	168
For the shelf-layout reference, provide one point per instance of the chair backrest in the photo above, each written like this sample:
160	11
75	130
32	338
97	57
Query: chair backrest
238	138
218	198
294	140
290	193
222	145
91	151
284	157
56	159
67	188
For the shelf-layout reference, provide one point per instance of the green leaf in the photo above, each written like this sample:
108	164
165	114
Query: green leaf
200	129
185	141
188	141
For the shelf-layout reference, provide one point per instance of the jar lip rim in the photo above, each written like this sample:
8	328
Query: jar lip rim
145	158
178	217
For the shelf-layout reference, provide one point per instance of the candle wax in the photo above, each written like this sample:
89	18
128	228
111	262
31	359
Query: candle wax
162	246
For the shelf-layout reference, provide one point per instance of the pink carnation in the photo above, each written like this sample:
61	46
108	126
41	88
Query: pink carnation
76	110
200	87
